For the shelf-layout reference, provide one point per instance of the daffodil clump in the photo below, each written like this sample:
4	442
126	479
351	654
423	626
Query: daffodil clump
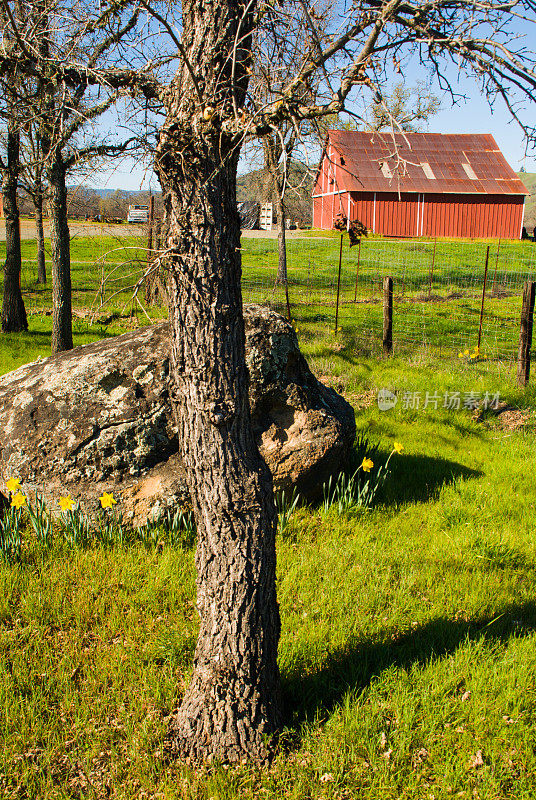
74	529
473	355
351	491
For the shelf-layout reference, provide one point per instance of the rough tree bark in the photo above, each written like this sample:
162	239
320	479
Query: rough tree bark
62	330
41	265
232	706
14	317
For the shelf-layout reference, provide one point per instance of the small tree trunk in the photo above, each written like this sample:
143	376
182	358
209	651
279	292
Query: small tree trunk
282	276
41	264
14	317
62	330
232	706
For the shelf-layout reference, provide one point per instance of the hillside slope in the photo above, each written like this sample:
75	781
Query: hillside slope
529	179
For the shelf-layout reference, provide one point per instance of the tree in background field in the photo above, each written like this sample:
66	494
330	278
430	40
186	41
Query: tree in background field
14	318
33	183
403	108
62	109
280	44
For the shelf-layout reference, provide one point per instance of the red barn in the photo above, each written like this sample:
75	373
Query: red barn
419	184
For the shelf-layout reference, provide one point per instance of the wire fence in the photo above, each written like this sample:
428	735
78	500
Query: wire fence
447	294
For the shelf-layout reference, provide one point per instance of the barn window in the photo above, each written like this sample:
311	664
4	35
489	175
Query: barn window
343	162
469	171
386	172
427	169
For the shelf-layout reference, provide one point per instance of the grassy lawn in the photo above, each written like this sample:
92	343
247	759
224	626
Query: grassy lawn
408	649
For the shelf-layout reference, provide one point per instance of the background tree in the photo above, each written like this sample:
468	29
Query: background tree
280	43
33	183
14	317
13	311
63	108
83	202
404	108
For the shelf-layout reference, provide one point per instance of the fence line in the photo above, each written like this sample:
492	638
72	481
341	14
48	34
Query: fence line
438	287
444	297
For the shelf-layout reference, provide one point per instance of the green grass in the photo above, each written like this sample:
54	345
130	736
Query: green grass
408	649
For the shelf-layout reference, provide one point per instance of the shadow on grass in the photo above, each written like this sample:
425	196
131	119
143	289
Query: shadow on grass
353	667
419	478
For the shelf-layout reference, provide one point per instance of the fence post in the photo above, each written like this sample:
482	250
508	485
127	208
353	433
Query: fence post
357	269
483	296
387	316
525	334
338	288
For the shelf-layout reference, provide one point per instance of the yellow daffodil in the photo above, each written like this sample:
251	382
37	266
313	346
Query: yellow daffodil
13	485
107	500
466	352
66	503
460	355
367	464
397	447
18	500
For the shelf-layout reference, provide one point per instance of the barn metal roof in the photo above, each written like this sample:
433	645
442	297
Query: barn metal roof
443	163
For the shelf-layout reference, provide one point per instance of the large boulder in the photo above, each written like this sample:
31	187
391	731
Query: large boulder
98	418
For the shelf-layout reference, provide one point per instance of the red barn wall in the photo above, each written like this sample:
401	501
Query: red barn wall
472	216
414	215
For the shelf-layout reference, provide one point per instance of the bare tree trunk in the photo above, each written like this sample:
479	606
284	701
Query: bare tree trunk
62	331
14	317
282	275
232	706
41	265
272	154
233	701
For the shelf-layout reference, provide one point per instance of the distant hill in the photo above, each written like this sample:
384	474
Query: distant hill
529	179
297	196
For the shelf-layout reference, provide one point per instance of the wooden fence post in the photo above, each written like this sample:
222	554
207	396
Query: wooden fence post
287	298
525	334
387	316
338	288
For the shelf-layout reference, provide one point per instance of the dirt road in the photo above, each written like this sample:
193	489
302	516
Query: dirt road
81	228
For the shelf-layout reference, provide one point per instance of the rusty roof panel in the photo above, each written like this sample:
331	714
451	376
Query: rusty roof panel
364	152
